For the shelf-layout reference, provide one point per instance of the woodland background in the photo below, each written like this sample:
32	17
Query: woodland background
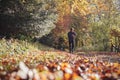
97	22
34	43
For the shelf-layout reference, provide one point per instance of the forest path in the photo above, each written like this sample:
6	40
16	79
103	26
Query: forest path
105	56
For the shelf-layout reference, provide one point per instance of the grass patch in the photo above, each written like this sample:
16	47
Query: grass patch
13	46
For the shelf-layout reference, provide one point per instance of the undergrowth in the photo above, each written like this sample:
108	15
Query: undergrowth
13	46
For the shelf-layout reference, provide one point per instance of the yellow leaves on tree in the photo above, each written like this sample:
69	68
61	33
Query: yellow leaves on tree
63	9
115	31
97	6
80	7
66	8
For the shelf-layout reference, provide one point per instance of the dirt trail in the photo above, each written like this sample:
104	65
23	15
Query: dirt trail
105	56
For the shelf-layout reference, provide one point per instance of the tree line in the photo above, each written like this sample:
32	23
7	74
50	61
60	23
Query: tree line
96	22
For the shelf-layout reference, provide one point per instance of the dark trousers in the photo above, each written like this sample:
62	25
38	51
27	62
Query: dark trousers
71	46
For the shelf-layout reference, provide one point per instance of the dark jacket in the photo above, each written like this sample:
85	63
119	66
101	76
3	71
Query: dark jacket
71	36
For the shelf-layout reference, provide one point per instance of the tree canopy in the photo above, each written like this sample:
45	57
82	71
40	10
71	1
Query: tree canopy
28	17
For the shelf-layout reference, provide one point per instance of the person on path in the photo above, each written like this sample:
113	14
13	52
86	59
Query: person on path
71	39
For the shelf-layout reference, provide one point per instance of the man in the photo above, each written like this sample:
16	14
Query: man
71	38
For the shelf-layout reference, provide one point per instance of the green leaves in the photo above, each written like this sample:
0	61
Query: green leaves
32	17
13	46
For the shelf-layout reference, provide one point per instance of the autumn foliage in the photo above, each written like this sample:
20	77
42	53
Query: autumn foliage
57	65
48	21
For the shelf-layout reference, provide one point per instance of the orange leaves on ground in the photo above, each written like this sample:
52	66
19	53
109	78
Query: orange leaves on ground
58	66
76	77
67	76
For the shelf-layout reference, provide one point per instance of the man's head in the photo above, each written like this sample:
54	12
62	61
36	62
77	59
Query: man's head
71	29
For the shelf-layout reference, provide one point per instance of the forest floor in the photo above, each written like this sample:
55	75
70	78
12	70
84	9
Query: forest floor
60	65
